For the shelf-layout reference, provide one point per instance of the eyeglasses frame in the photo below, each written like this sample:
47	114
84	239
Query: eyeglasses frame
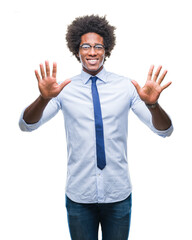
103	47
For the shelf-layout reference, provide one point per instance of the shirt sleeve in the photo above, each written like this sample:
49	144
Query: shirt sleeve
143	113
49	112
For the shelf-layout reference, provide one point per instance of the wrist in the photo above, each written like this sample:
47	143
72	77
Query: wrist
45	100
151	106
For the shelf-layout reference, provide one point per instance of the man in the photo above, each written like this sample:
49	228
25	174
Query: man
95	105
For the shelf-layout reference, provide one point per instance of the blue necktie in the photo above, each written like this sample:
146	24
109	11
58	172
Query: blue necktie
101	162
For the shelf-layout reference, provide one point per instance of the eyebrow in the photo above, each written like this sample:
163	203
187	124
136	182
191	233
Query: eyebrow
95	44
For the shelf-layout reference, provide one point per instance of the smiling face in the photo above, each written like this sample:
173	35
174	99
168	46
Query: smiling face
92	60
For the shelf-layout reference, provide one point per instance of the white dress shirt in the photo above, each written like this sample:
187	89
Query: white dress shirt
86	183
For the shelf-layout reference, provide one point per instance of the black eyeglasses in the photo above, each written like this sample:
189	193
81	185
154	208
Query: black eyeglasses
97	47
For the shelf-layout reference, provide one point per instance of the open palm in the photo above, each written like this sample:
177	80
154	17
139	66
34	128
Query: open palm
48	85
152	89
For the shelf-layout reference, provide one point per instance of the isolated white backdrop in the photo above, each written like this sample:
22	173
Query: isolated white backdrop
33	165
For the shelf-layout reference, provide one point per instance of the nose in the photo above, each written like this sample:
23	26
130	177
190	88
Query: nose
92	51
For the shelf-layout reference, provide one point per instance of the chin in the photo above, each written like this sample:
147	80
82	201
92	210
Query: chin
93	70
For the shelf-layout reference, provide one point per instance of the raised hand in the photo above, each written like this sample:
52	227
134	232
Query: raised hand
48	85
152	88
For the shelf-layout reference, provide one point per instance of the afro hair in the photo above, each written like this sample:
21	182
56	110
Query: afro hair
86	24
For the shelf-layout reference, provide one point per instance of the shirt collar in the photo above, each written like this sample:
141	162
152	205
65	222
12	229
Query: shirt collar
101	76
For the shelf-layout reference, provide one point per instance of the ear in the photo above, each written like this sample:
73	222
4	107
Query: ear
77	56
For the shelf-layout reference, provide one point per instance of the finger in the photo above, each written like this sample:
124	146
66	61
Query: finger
150	73
47	68
42	71
157	73
136	85
166	85
37	76
162	77
54	73
63	84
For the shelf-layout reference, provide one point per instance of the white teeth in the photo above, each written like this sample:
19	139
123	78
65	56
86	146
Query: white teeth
92	61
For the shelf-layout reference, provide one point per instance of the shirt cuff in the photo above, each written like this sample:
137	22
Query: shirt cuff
28	127
162	133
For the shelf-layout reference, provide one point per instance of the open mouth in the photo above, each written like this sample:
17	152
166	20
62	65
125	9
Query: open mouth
92	61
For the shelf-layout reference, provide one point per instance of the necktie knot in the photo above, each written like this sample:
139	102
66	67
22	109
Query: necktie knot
94	79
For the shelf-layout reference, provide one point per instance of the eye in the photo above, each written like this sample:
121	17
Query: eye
85	46
99	47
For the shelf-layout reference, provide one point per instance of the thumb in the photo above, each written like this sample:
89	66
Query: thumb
63	84
136	85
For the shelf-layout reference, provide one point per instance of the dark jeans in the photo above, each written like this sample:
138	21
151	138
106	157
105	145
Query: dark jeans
84	219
